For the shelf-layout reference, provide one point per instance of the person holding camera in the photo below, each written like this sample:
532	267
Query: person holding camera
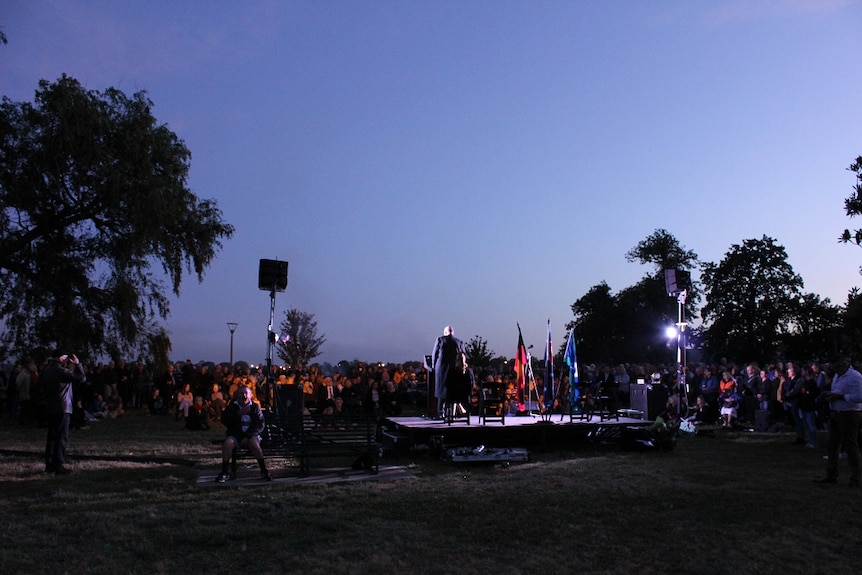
58	378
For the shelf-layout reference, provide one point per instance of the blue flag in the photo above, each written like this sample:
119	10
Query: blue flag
572	361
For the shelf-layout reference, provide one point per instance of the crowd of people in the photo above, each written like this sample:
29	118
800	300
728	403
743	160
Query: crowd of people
198	394
726	394
779	395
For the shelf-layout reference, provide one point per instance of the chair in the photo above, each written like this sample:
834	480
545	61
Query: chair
492	406
454	411
582	409
606	406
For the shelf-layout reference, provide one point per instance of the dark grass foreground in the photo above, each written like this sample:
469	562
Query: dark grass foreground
738	503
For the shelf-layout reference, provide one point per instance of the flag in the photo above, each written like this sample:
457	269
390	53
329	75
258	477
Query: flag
572	361
549	372
520	369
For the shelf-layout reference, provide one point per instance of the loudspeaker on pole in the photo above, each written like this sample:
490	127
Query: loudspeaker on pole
272	275
676	281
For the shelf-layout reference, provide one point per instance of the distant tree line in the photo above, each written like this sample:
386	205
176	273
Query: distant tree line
750	306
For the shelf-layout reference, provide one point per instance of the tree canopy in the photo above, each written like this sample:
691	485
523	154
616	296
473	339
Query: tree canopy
302	344
752	298
96	213
477	352
630	326
662	250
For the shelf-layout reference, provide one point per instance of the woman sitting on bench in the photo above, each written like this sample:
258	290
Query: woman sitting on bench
244	422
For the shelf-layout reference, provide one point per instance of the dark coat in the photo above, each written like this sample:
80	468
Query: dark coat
232	420
449	381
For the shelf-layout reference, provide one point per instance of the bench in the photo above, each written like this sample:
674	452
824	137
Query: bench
276	442
347	435
305	437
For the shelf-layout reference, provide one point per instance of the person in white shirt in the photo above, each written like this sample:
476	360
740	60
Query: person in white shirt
845	402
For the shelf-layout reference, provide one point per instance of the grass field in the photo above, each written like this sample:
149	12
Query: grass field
738	503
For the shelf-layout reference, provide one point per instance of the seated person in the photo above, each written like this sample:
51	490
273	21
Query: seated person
335	416
662	432
157	403
217	402
115	405
729	402
511	399
96	408
197	419
699	411
389	399
244	421
184	401
308	394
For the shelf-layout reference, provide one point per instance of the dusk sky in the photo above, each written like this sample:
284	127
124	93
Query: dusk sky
474	163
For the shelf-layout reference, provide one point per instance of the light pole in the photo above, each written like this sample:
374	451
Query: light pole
231	325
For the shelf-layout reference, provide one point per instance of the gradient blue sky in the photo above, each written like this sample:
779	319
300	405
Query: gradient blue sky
472	163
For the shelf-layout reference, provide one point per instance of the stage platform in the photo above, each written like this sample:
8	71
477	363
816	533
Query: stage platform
404	434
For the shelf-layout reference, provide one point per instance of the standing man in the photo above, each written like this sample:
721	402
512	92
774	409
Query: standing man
449	362
168	386
59	376
845	402
709	391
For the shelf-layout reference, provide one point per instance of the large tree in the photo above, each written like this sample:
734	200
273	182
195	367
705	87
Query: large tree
662	250
816	328
301	344
753	297
96	215
595	324
851	332
630	326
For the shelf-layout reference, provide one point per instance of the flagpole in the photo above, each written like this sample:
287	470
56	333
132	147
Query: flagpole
549	393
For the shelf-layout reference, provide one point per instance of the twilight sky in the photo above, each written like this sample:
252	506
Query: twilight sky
472	163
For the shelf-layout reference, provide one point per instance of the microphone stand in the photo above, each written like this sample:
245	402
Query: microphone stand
531	380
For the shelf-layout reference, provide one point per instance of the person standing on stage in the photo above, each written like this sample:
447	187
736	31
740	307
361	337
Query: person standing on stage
449	361
58	377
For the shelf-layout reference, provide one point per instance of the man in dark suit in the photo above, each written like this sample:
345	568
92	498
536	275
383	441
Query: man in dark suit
449	366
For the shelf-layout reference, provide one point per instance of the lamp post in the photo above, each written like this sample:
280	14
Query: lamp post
231	325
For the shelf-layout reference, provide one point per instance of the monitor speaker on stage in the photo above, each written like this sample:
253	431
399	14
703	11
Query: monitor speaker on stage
651	400
676	281
272	275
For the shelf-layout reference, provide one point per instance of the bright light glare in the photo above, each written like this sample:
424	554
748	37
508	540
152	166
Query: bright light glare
671	332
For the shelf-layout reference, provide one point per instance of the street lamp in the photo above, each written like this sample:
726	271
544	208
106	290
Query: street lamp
231	325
